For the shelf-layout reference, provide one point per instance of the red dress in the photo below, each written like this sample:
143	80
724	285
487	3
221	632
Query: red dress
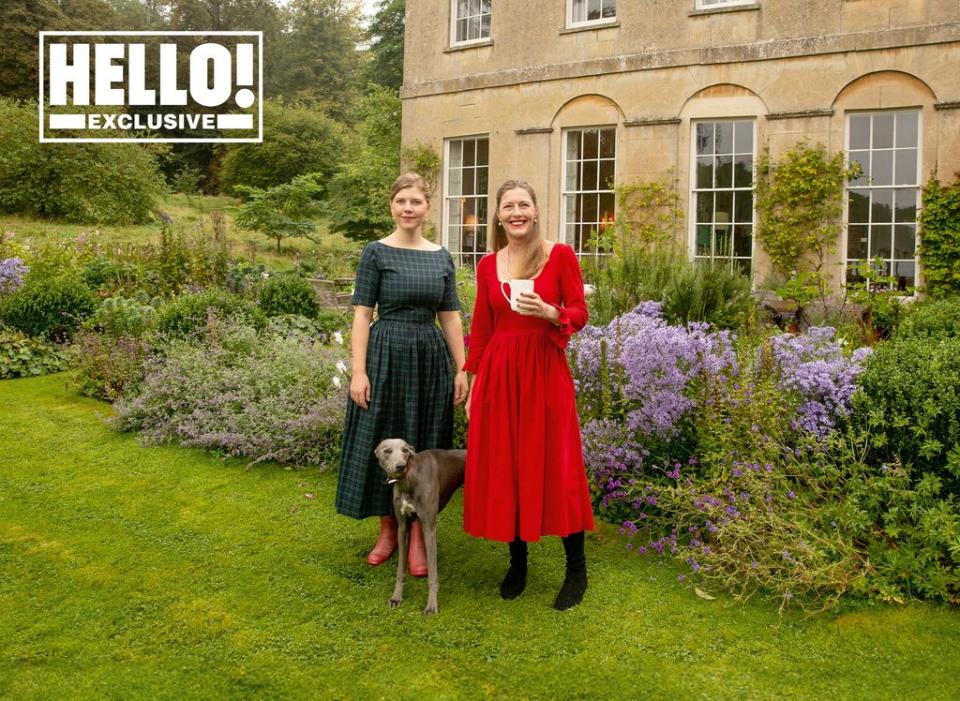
525	473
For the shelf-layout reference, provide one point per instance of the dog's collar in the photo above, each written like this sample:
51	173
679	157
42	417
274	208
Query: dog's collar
394	480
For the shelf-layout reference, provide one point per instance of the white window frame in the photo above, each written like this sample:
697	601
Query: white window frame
590	22
849	186
564	193
716	4
482	226
453	26
693	190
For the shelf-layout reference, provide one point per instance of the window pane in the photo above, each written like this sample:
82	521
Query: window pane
606	175
881	172
860	132
463	8
904	241
483	152
593	9
485	27
454	182
907	129
469	152
590	212
863	159
724	137
742	241
573	145
742	171
705	172
608	143
483	184
607	207
858	206
906	167
579	10
468	182
906	206
724	174
743	137
703	240
856	242
905	272
880	239
704	207
573	176
704	139
453	212
723	243
882	206
609	8
571	208
455	154
462	29
724	207
883	130
590	145
743	207
589	181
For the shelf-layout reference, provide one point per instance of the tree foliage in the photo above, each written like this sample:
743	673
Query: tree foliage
108	183
283	211
358	203
385	37
296	140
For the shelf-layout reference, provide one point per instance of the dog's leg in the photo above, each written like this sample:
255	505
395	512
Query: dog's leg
401	562
433	581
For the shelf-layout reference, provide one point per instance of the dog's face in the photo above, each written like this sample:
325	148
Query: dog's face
393	455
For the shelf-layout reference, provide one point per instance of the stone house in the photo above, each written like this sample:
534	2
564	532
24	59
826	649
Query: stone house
578	95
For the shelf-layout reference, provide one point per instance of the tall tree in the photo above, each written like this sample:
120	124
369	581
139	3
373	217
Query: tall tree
385	38
319	60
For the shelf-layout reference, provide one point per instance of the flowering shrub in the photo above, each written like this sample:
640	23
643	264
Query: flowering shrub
813	365
109	366
12	272
262	397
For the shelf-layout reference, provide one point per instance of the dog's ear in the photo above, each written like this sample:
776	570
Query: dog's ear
409	449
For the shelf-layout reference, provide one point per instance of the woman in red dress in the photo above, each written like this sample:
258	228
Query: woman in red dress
525	476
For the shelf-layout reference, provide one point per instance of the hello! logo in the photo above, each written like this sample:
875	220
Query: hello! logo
152	86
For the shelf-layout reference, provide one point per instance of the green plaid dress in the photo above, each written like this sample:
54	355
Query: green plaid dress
409	366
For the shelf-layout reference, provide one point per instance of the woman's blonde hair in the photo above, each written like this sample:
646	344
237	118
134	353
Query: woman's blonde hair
410	180
534	257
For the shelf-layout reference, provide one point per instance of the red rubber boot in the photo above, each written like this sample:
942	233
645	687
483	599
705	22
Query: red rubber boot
417	558
386	543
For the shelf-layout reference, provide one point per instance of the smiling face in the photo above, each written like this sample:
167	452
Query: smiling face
517	213
408	207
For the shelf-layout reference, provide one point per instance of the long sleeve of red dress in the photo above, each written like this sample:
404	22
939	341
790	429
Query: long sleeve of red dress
481	326
573	313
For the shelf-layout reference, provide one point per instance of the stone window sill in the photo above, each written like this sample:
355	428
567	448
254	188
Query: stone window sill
717	10
589	27
468	45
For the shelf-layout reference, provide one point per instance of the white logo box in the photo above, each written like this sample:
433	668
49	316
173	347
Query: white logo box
219	121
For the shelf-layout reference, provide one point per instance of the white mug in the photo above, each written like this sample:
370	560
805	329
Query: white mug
517	288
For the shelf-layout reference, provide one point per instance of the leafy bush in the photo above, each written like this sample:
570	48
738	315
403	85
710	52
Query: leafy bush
109	367
189	313
688	291
22	356
934	319
288	294
940	237
52	307
261	397
910	401
119	316
328	327
296	140
110	183
283	211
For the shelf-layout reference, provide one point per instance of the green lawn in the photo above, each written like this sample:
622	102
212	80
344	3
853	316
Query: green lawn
187	213
130	572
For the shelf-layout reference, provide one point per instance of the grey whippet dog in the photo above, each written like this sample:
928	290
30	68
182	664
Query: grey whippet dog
422	485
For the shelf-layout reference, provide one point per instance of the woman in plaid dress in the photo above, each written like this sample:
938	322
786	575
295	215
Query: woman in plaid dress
403	383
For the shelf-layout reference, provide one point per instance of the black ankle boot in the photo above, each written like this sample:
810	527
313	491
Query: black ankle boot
575	581
515	580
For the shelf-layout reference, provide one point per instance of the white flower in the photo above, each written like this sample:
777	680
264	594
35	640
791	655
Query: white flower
338	337
341	366
336	382
264	274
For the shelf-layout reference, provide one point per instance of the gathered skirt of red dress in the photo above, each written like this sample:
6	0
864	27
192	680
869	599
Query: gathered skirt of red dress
525	474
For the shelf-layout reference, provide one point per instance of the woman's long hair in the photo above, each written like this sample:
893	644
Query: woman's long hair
533	257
